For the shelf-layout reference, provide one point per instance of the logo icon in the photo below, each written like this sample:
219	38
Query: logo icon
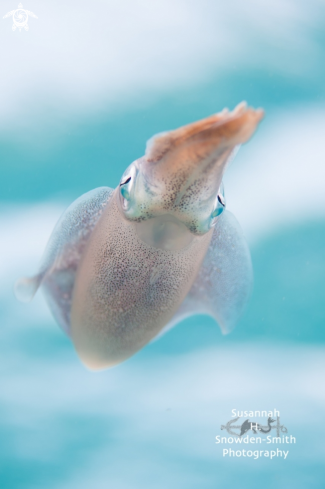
255	427
20	18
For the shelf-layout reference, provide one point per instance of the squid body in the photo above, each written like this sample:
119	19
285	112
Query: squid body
124	265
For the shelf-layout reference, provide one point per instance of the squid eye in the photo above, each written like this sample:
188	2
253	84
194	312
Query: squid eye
221	199
217	211
124	189
127	187
125	193
220	205
125	182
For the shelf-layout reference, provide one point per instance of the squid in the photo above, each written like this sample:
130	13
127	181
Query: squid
123	266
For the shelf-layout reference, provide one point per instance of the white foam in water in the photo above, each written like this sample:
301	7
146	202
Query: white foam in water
278	179
98	52
156	419
25	231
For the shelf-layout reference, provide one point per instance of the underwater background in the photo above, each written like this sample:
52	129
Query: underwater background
80	93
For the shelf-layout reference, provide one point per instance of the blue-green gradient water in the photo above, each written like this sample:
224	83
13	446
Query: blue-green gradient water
81	92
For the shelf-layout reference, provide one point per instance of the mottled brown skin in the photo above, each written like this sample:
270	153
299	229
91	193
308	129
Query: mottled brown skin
126	289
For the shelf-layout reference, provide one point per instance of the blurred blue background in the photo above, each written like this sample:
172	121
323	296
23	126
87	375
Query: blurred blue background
80	93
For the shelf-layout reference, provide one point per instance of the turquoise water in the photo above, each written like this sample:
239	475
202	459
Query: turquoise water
152	421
